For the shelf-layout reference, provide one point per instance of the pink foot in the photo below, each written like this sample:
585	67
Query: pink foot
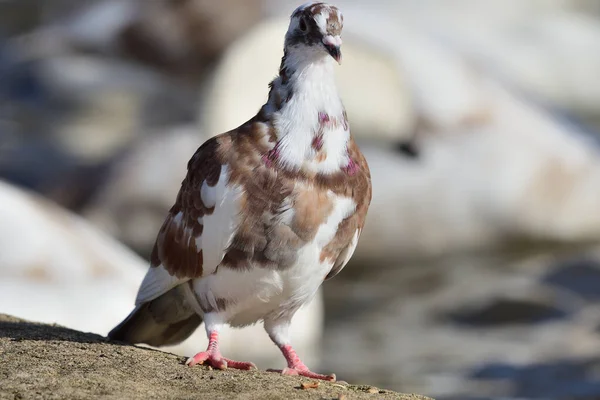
297	367
212	356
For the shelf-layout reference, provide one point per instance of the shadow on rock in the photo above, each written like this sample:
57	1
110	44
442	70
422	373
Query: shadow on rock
18	331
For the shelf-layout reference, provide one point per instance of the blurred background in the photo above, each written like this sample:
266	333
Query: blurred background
478	273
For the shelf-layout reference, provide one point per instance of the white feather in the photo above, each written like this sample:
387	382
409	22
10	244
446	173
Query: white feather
156	282
321	20
343	208
350	249
314	91
221	225
208	195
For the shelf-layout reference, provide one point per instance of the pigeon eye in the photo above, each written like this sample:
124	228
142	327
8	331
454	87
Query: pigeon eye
303	26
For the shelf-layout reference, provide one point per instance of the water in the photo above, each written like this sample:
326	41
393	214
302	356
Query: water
516	325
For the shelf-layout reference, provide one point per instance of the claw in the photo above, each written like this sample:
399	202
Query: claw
240	364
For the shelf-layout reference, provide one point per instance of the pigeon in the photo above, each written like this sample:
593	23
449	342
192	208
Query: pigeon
266	213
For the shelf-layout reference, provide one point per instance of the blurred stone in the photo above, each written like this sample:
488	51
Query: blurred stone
18	16
185	35
506	311
42	166
445	91
369	83
548	57
73	115
579	276
519	175
408	149
113	96
94	26
65	135
54	267
57	268
106	125
133	203
177	36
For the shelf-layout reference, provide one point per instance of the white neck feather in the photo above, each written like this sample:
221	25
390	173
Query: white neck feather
311	91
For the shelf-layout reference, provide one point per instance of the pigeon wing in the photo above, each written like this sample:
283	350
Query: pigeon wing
199	227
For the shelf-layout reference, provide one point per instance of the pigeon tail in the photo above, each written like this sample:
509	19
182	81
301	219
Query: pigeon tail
163	321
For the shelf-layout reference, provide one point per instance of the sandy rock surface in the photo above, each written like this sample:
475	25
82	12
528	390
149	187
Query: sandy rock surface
48	361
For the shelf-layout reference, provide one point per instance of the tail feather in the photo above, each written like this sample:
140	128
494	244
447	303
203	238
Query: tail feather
164	321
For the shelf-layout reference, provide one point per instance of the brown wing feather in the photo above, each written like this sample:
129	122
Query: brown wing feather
175	246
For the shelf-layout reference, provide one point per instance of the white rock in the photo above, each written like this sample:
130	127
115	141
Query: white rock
554	56
518	174
368	80
57	268
176	36
445	92
54	267
110	97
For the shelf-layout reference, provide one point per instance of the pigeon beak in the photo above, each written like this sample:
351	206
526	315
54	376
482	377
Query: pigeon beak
332	45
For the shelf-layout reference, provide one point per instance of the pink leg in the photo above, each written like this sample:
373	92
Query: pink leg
297	367
212	356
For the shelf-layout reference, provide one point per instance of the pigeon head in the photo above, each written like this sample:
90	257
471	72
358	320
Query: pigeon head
315	29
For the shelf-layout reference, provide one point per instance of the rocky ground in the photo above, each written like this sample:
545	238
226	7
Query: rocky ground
50	362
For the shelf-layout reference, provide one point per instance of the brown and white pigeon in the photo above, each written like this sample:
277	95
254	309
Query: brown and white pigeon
266	213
